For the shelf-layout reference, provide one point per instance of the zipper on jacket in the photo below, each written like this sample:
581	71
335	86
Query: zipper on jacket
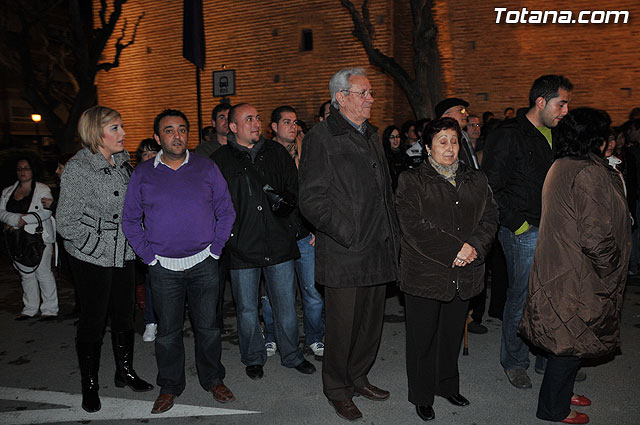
246	177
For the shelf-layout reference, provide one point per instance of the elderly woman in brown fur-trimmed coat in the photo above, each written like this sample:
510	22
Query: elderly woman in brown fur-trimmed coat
448	220
579	267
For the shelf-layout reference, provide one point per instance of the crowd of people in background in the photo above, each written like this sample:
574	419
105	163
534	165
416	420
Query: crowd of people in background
336	212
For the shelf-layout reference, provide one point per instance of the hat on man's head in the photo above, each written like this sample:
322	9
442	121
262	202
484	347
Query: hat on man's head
450	102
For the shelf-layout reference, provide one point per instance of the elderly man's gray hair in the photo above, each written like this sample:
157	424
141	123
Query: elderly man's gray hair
340	81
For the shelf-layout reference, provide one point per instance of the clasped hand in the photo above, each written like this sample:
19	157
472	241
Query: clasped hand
466	255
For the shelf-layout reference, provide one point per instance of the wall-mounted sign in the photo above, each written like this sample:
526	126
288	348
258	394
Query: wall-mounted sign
224	83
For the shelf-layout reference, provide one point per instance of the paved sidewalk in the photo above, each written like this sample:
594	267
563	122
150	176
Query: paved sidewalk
40	382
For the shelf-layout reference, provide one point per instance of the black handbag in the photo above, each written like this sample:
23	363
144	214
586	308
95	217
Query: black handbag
25	248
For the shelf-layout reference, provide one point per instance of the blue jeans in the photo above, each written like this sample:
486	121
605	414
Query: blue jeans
518	251
281	288
312	303
168	289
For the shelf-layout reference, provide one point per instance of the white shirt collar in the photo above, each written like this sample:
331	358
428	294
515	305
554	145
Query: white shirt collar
158	160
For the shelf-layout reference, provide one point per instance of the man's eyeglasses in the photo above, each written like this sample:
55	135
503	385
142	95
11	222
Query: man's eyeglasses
474	124
23	169
363	94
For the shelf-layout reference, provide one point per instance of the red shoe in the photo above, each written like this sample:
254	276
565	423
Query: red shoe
579	418
580	400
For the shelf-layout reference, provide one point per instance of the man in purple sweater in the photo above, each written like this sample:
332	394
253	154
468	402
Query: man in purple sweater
177	217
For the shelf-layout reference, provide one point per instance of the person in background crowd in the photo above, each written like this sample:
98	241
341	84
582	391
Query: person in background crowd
579	268
89	217
208	134
474	128
496	266
509	113
147	149
261	241
420	126
448	220
517	156
410	141
219	122
631	131
622	160
345	193
634	114
19	205
324	110
178	215
64	263
394	151
284	124
457	109
486	117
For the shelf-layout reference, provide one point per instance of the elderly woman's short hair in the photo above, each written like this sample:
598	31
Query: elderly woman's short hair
583	131
436	126
91	124
340	82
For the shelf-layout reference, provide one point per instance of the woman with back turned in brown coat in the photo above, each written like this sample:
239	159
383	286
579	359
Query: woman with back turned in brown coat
448	220
580	263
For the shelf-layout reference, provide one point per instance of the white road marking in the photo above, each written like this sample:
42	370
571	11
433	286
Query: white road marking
112	408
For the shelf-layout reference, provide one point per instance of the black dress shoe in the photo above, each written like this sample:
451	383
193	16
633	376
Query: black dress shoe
457	400
306	367
426	413
254	372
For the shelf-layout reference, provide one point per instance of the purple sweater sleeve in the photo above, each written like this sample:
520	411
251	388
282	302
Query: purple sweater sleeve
132	216
223	210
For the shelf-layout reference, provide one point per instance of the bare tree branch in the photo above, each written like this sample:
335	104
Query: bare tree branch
102	13
366	16
107	66
376	58
74	54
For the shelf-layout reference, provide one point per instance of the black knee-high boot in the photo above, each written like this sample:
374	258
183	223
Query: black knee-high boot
123	354
89	360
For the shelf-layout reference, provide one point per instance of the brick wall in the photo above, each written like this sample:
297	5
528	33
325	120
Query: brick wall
260	40
491	65
502	60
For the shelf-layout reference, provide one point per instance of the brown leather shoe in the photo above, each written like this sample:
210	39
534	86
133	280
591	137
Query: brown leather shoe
163	403
346	409
222	394
372	393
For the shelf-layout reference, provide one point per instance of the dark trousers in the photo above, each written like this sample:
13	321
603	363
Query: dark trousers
353	328
434	335
554	400
477	304
103	292
169	289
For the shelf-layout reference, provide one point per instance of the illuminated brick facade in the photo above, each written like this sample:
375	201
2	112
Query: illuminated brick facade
491	65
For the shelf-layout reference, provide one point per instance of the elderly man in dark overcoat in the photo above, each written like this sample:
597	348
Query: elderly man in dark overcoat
345	192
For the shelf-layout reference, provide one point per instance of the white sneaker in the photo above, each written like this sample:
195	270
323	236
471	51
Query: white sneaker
271	348
150	332
317	348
